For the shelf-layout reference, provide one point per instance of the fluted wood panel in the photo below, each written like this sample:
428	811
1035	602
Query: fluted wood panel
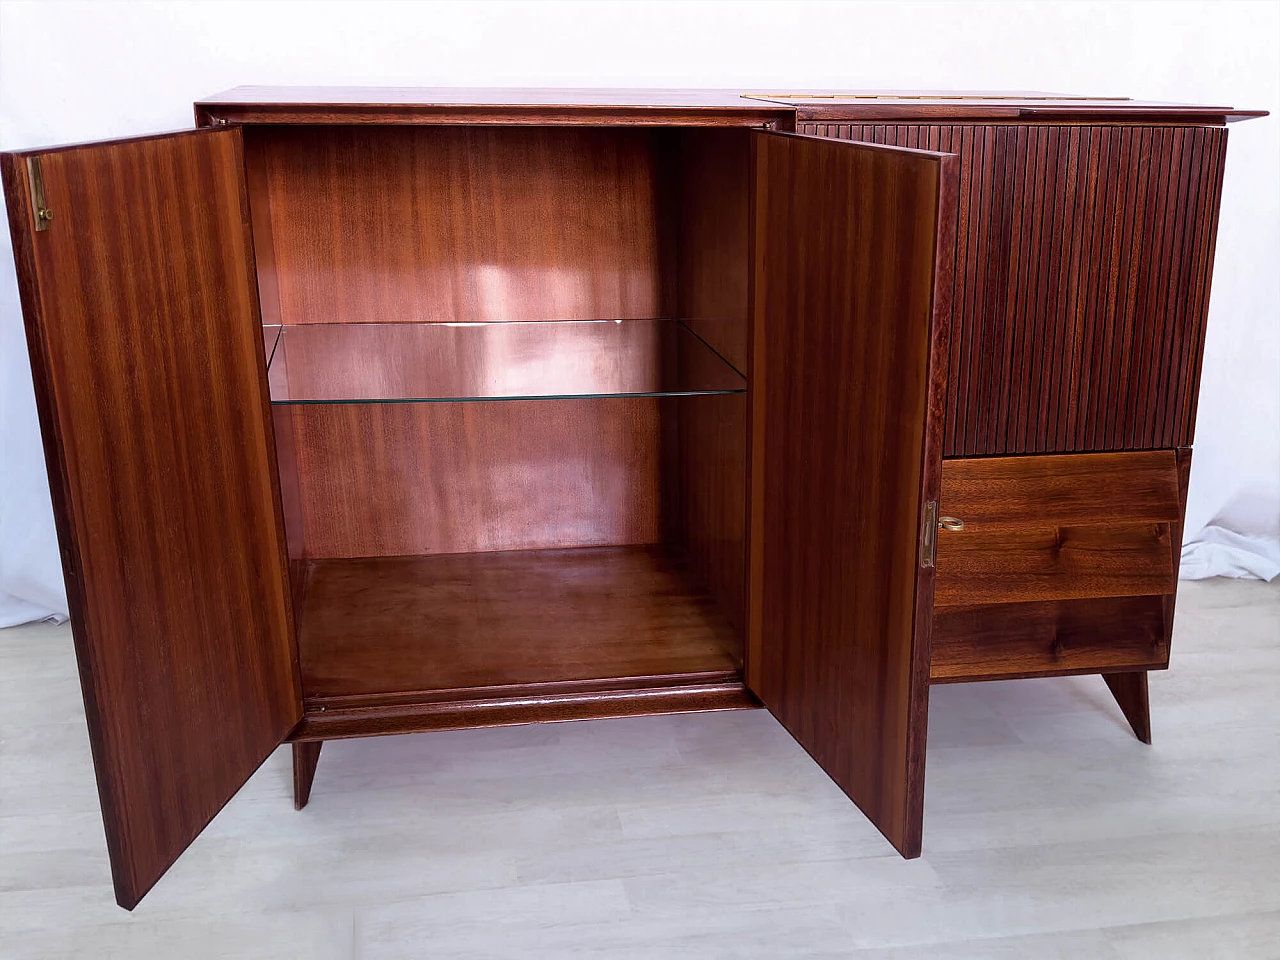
1083	261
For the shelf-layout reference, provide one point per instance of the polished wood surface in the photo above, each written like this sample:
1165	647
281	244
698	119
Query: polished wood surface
411	361
397	479
489	105
1048	560
459	224
1085	233
1041	638
845	251
1046	539
345	718
1130	691
1007	108
713	299
1103	487
306	754
1183	462
714	204
1083	263
264	247
147	354
400	624
515	105
710	491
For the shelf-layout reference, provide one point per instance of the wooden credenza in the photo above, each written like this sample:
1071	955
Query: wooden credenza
383	411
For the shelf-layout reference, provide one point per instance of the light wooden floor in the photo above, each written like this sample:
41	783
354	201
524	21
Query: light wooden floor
1050	831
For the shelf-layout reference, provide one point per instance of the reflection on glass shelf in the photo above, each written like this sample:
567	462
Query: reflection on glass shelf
388	362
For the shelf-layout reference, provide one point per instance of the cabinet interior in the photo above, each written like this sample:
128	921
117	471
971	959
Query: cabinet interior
508	375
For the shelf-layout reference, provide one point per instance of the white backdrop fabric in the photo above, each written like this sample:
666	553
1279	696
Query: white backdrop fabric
83	71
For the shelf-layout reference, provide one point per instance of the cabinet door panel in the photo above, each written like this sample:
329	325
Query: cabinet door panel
1083	260
850	274
146	348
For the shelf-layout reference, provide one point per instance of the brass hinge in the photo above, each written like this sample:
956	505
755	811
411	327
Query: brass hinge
929	534
42	212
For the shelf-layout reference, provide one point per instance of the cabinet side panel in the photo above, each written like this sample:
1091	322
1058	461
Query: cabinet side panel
713	261
142	317
714	177
1083	259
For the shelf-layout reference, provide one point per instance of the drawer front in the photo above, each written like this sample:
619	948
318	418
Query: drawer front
1066	564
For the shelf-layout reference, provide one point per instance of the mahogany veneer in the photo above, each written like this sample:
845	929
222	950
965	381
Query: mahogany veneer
1066	564
1083	260
147	479
403	624
295	507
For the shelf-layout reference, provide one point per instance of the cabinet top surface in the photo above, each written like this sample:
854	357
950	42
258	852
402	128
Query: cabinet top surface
333	104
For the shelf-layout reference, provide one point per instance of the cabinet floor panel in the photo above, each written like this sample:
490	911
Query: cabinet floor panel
396	624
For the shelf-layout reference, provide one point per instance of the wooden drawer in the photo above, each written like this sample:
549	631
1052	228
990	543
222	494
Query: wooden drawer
1066	564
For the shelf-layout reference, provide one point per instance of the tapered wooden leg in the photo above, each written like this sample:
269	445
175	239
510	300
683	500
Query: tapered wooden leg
1130	691
305	757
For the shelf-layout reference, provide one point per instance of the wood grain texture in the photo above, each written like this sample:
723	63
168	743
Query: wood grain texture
329	719
1053	561
1083	261
1042	638
846	242
714	203
458	224
1130	691
147	354
683	107
1183	455
400	624
1066	563
306	754
397	479
907	108
713	300
489	106
710	493
1088	488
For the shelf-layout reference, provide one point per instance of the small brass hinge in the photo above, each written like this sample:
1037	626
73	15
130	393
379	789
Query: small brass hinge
929	534
43	213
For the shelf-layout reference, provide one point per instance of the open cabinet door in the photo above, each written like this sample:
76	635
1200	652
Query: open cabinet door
141	310
851	277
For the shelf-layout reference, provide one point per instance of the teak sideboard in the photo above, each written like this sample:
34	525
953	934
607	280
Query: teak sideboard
379	411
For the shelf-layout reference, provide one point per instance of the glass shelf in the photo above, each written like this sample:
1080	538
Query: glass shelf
423	362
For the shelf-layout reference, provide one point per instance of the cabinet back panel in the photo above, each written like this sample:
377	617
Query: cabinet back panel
458	224
1083	259
399	479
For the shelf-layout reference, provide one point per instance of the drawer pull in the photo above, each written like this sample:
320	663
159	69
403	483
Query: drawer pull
950	523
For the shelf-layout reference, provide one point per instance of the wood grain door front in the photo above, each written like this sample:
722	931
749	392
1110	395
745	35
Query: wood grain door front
141	310
851	245
1065	564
